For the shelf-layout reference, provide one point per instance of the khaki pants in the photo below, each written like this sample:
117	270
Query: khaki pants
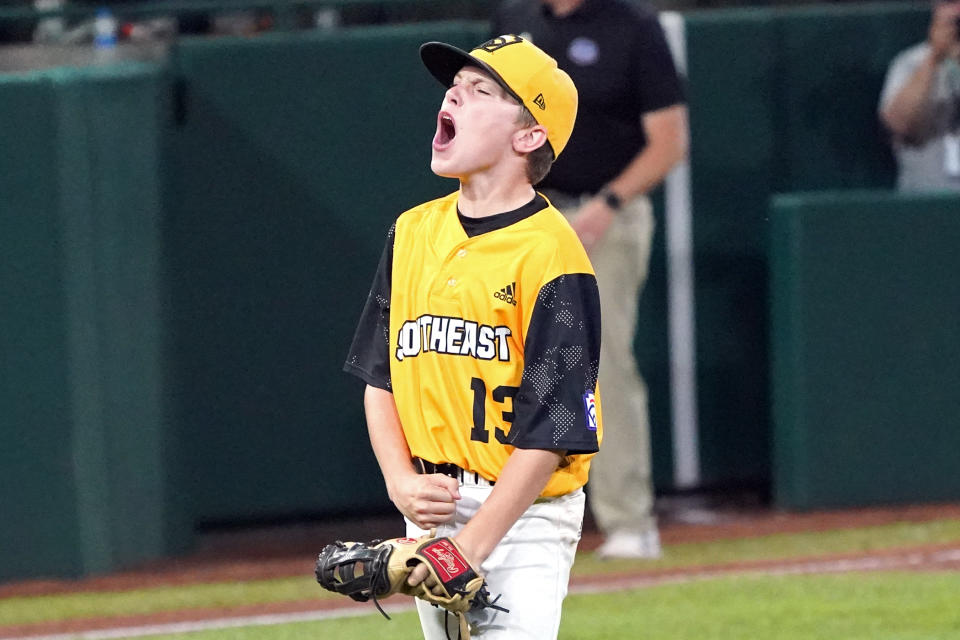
620	487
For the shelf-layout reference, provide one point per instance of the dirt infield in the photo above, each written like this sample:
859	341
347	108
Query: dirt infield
273	553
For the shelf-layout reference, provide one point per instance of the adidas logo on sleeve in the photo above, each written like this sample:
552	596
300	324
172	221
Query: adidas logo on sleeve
507	294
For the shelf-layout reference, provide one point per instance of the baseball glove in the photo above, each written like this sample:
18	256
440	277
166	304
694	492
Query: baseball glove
380	569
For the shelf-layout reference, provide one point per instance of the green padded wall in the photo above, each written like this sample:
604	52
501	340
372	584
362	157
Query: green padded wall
734	167
294	155
86	463
835	59
866	346
36	470
781	99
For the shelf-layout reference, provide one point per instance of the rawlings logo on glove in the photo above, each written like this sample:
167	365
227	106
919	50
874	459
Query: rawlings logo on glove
447	559
380	569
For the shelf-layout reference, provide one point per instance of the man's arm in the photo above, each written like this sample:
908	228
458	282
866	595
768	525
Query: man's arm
427	500
667	133
667	142
907	113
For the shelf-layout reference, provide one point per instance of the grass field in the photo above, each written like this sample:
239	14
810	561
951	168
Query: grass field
889	605
875	606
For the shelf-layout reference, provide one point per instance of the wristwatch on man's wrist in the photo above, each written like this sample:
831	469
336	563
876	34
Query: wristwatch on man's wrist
611	198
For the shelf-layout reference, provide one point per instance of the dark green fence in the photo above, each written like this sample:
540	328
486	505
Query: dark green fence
866	346
781	100
88	477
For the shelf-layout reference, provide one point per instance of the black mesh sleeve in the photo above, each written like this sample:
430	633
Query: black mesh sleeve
554	407
369	356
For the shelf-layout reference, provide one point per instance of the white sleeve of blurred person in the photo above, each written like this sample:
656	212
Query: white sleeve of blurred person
906	104
52	28
667	132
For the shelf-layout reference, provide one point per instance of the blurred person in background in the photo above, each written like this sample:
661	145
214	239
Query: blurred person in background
631	130
920	105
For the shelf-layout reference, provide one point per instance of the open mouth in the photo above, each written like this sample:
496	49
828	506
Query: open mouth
446	131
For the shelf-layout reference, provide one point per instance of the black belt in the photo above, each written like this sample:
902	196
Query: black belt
448	469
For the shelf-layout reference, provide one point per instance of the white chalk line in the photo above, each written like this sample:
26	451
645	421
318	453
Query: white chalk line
262	620
843	565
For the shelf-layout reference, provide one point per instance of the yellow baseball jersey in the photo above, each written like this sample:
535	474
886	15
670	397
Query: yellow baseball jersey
487	332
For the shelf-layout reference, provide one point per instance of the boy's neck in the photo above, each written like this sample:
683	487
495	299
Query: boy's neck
479	198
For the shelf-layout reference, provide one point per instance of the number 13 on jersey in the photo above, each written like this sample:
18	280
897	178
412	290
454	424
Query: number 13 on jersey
503	395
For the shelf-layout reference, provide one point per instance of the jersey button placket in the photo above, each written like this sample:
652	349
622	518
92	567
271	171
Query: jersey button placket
460	254
453	266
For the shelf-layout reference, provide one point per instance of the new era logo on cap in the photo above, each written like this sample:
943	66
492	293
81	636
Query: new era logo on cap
525	71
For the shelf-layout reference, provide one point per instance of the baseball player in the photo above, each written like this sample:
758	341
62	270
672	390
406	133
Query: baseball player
480	343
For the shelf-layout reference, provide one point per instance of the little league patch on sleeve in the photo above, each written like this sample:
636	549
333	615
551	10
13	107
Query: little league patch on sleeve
590	408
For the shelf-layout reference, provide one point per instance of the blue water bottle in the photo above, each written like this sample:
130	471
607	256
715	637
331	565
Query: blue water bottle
104	29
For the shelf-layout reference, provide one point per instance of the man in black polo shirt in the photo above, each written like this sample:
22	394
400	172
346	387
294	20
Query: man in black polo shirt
631	130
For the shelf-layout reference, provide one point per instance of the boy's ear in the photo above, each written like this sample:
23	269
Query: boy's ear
529	139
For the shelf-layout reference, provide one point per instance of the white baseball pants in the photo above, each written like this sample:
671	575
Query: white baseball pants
529	569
